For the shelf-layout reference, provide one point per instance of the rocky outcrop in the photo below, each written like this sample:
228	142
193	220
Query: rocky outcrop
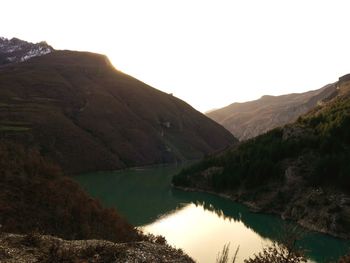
320	210
33	248
343	79
15	50
316	208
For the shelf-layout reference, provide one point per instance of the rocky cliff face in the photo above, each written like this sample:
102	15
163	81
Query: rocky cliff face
15	50
249	119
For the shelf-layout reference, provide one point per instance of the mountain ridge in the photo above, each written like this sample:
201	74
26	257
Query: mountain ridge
249	119
87	116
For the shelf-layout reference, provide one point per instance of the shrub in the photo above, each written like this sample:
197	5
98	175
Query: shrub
278	253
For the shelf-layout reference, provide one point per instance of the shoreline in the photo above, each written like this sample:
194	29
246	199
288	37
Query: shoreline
136	168
255	209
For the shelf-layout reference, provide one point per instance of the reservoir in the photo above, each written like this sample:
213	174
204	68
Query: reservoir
198	223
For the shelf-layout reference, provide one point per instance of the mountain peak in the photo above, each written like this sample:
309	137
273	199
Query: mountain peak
15	50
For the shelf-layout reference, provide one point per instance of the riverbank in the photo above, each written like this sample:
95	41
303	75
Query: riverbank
140	168
314	209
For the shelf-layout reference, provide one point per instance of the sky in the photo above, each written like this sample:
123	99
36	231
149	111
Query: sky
208	53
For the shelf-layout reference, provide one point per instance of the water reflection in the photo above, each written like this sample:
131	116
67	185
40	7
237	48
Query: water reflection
199	222
265	225
319	247
201	233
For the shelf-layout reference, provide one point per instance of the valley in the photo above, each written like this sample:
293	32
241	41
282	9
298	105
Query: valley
95	164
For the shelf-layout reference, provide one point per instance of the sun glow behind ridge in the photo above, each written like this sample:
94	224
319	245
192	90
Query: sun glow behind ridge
208	53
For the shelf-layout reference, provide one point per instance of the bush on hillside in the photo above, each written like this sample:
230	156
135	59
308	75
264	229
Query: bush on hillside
35	196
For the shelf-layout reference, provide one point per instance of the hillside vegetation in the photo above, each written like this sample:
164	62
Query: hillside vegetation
78	110
249	119
36	197
300	171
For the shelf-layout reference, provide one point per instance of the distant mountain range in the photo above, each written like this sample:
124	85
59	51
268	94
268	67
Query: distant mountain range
249	119
78	110
15	50
300	171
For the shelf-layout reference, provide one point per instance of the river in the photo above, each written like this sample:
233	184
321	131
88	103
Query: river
199	223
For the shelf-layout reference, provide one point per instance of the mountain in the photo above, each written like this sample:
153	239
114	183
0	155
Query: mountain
79	111
15	50
300	171
249	119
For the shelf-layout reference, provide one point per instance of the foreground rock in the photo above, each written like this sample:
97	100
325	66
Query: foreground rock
41	248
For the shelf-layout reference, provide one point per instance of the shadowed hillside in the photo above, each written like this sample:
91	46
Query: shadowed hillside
252	118
81	112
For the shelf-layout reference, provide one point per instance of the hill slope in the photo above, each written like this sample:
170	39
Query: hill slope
81	112
300	171
249	119
36	196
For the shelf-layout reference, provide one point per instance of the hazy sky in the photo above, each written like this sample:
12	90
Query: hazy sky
208	53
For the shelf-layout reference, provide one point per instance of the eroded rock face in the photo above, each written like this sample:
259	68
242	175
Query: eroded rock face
320	210
40	248
316	208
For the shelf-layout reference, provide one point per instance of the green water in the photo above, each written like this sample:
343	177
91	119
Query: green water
199	223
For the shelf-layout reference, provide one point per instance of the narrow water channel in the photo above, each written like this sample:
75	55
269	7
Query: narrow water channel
199	223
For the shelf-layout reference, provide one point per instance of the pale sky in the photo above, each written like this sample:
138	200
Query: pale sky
208	53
